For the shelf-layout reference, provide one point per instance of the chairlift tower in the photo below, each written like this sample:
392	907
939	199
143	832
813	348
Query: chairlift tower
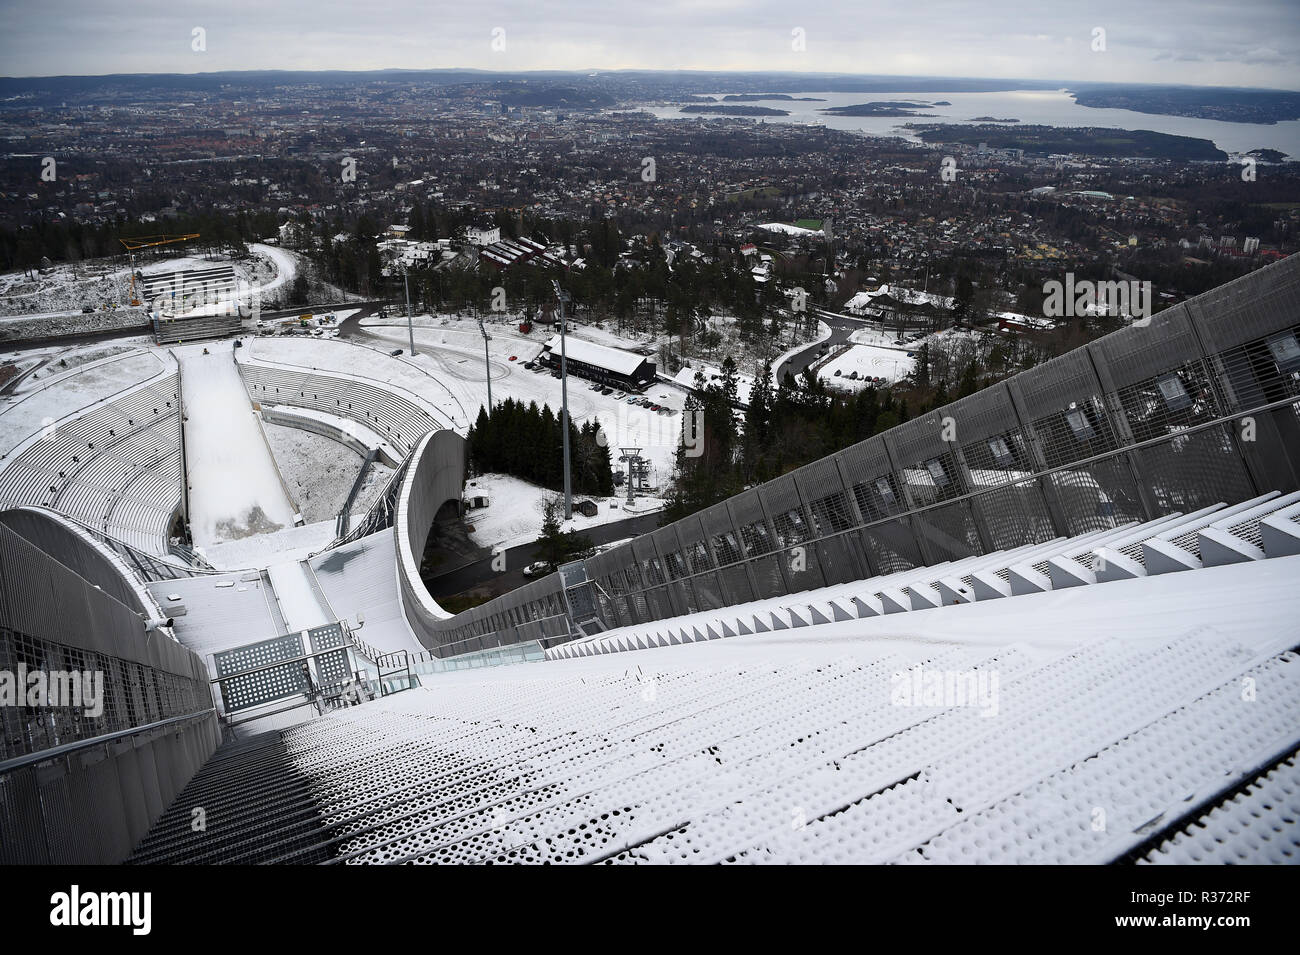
632	458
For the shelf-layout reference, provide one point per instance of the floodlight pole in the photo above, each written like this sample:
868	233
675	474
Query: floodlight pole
487	365
410	327
561	295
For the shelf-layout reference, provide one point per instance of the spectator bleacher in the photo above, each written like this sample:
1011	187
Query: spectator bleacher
116	467
398	416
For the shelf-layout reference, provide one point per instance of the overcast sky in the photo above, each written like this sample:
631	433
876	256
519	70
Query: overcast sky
1201	42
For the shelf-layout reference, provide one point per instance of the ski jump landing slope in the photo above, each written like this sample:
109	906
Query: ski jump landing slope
235	488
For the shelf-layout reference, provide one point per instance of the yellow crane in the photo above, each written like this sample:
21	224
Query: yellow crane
137	242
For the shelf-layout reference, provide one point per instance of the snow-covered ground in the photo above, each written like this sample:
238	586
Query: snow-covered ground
452	359
320	472
788	229
911	296
868	361
349	426
514	515
298	603
285	262
291	543
235	489
871	335
713	376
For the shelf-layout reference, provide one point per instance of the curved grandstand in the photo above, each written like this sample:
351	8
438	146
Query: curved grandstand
388	416
115	466
959	640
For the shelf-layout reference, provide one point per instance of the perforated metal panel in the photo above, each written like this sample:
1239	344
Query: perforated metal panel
332	667
1014	515
1096	497
947	532
264	686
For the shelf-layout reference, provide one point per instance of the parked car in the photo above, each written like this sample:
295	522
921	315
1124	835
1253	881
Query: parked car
621	395
607	391
395	352
537	569
513	357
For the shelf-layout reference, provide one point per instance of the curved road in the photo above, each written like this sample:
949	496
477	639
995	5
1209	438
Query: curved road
841	327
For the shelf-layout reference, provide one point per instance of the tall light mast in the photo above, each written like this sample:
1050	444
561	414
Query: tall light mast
562	297
410	327
487	364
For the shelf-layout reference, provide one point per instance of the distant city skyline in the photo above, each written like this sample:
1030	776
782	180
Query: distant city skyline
1191	42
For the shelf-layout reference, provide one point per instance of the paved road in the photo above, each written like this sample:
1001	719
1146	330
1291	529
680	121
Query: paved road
841	327
517	558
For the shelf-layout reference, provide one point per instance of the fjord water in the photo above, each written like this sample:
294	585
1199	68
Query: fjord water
1030	107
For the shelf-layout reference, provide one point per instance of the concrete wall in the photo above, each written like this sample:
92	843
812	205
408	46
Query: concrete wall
436	475
58	612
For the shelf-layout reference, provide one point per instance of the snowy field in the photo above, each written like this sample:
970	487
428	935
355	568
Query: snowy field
911	296
788	229
235	489
320	472
515	514
713	376
868	361
450	362
870	335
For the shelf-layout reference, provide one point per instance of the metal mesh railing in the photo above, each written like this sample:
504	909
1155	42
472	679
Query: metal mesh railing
1198	404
